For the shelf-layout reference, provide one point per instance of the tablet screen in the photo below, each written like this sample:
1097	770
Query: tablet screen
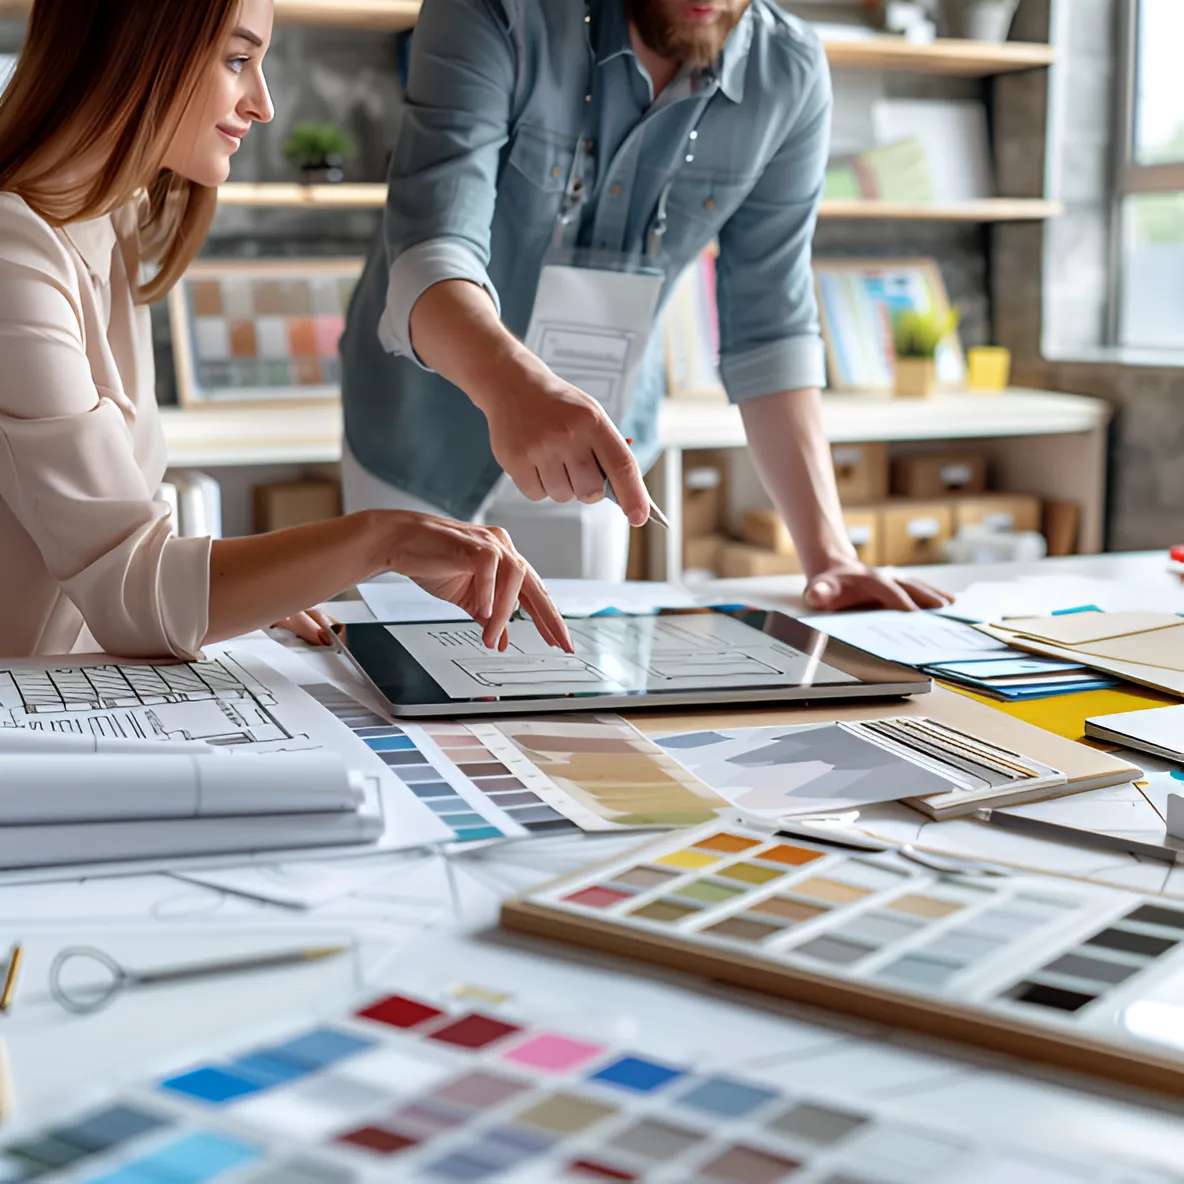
614	655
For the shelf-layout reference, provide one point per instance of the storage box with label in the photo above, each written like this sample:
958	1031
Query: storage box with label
704	494
863	529
861	472
998	511
739	560
915	532
703	554
765	528
939	474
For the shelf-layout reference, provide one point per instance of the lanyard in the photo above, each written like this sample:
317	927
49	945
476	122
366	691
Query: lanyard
573	198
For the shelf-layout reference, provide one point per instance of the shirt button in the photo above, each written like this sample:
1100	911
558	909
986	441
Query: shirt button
615	191
709	204
555	171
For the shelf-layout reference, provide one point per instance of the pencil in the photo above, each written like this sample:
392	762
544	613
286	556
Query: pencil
9	988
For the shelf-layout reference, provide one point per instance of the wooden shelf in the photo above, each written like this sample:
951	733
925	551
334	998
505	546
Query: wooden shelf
213	436
392	15
993	209
969	59
373	196
291	196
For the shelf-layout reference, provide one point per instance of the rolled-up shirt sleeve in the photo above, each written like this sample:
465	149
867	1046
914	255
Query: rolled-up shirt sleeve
442	186
769	331
69	474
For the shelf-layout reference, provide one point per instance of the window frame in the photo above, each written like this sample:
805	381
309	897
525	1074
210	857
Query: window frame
1130	177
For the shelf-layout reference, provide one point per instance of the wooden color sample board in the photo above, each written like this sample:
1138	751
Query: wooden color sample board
1069	973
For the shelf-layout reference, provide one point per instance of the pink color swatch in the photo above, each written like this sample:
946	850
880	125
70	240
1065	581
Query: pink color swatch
553	1054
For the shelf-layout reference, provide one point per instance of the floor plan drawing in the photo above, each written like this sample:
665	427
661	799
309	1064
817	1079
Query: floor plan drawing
217	701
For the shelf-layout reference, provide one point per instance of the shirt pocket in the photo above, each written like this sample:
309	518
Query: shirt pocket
536	174
699	204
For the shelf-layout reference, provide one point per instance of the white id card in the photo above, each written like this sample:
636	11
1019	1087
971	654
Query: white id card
591	326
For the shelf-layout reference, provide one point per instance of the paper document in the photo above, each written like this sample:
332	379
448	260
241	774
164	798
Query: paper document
914	639
1034	596
614	655
234	700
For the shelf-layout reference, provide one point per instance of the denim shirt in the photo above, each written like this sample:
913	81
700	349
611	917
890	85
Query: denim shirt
495	108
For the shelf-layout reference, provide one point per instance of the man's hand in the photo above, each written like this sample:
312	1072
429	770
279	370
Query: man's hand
556	441
856	586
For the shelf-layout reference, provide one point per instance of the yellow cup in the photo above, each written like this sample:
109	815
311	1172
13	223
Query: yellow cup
988	368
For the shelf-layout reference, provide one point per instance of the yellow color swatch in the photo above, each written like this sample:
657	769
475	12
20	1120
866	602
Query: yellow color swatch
689	859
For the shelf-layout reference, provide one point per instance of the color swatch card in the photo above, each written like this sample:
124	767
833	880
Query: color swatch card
801	769
249	331
426	1086
1072	973
600	772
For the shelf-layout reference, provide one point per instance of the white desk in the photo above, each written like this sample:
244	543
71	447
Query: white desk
425	899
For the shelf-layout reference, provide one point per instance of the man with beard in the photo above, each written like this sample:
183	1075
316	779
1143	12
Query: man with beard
558	164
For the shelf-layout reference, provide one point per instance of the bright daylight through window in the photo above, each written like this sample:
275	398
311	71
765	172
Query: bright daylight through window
1151	299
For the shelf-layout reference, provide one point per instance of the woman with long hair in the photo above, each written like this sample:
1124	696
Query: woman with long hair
115	131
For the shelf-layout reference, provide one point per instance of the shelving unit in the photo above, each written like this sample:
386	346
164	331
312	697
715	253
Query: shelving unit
968	59
373	196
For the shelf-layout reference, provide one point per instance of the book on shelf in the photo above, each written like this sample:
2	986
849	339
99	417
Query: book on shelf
691	330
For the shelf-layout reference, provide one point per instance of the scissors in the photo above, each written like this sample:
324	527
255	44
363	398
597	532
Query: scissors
90	996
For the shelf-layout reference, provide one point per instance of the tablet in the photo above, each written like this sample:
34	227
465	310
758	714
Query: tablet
622	663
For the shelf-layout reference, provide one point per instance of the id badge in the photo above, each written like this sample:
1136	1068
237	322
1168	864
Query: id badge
592	320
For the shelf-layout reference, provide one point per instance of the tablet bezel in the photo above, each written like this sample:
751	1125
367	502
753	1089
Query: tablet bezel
413	694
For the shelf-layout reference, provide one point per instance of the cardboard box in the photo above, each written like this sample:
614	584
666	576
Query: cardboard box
1060	521
1005	511
295	503
738	560
939	474
861	472
766	529
704	494
703	554
863	529
915	532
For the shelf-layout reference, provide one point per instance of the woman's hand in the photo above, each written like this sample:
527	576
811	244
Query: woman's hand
474	567
311	625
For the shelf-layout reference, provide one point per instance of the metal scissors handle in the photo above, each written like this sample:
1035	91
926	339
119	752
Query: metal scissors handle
88	997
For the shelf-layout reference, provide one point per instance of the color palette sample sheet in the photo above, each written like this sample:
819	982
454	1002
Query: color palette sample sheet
600	771
263	331
470	1084
1073	973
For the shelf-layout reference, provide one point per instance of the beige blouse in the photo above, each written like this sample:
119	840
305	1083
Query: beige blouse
87	553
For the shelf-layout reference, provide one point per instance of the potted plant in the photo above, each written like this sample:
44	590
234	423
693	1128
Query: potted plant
982	20
319	151
917	337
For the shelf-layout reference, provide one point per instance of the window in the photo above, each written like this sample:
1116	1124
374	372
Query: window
1150	216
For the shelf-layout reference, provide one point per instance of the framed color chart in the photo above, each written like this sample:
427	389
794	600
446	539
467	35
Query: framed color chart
246	331
857	299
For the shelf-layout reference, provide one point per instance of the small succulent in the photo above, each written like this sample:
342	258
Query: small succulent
919	334
317	146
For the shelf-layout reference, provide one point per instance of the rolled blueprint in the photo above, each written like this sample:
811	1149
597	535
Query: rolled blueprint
41	789
27	740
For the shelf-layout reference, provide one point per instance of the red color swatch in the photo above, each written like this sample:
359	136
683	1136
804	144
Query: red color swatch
596	897
474	1031
585	1167
400	1012
375	1138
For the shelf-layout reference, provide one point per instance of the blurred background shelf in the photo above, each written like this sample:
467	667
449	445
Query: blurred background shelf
373	196
950	56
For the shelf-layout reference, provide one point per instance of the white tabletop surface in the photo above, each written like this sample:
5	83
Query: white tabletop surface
406	904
